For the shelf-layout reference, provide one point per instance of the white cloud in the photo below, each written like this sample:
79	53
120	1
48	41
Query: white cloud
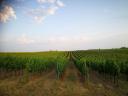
69	40
51	10
51	1
7	13
24	39
39	19
60	3
40	13
41	1
46	1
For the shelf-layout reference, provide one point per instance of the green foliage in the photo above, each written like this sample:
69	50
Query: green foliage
106	61
61	66
12	63
36	64
82	67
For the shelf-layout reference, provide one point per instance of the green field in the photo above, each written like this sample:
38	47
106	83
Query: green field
99	72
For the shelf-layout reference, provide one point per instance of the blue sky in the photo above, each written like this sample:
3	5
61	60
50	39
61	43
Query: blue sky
40	25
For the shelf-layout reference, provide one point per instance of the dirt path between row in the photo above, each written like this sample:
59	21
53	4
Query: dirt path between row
72	73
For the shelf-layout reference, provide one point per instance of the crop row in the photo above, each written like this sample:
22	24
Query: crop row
33	64
107	65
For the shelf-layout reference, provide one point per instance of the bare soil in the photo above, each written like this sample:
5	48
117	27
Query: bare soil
47	84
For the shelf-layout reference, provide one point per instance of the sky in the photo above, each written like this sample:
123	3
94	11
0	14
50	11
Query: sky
42	25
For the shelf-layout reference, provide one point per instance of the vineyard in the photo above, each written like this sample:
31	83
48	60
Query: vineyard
105	70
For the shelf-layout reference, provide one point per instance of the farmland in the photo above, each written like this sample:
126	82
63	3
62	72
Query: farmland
99	72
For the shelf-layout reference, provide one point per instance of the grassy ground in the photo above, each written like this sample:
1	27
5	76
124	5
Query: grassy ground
46	84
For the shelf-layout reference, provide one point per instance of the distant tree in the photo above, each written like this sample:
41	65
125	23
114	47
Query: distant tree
123	48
